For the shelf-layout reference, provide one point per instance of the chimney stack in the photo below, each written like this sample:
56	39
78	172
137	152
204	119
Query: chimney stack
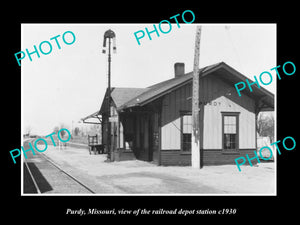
179	69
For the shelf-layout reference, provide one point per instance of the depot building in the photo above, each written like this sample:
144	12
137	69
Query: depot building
155	123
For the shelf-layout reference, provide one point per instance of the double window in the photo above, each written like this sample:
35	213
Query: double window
230	127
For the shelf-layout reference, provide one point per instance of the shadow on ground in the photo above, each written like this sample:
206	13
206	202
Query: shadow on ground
28	185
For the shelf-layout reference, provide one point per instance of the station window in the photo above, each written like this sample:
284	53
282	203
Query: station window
186	132
230	127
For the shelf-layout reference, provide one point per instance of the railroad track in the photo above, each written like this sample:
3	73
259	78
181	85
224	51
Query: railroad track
48	177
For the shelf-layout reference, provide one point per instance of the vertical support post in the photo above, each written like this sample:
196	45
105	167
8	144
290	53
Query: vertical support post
159	131
256	117
118	133
196	161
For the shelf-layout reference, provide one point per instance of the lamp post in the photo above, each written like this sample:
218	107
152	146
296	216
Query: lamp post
110	35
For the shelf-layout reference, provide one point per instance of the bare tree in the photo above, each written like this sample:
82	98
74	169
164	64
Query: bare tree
265	126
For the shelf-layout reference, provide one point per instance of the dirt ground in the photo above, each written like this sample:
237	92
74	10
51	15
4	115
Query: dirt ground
139	177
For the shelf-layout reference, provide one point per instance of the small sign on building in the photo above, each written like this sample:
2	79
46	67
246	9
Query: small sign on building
113	119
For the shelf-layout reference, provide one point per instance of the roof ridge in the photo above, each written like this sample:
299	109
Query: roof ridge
155	91
185	77
127	88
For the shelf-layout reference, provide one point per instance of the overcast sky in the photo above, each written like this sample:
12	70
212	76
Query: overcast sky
69	83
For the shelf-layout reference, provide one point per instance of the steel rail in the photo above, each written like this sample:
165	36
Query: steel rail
57	167
69	175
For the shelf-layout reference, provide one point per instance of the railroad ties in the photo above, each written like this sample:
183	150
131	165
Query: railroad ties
43	176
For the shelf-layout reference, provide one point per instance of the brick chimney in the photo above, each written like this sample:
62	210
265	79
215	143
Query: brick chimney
179	69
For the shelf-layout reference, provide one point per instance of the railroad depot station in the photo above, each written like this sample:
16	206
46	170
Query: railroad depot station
155	123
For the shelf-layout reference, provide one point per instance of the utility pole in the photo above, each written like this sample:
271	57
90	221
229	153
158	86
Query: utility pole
196	157
109	34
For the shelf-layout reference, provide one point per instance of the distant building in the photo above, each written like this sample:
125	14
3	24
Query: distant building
155	123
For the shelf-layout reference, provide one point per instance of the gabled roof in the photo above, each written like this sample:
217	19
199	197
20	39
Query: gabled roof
155	91
222	70
132	97
122	95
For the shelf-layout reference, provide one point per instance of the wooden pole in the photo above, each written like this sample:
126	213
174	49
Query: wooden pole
196	161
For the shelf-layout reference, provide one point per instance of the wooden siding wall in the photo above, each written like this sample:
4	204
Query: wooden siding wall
173	103
216	97
209	157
